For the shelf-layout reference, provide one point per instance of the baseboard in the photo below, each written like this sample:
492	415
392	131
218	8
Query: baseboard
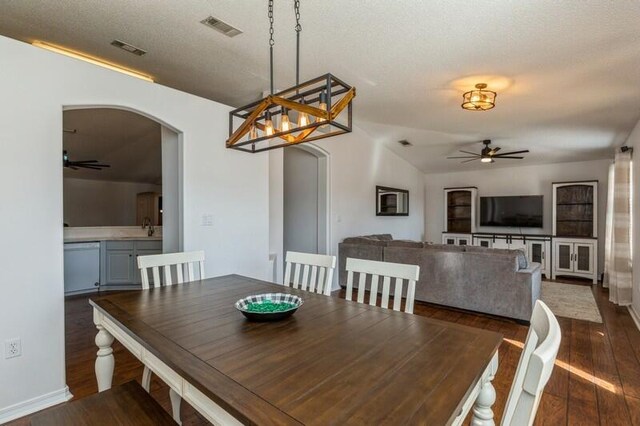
38	403
635	316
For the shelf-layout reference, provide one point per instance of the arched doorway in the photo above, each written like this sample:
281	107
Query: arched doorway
306	196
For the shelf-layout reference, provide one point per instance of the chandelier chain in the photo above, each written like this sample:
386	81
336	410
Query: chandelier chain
296	8
270	14
271	43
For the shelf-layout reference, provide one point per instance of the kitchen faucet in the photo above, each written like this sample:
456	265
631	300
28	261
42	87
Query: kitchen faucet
147	222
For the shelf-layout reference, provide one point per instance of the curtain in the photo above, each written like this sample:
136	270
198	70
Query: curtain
608	227
618	240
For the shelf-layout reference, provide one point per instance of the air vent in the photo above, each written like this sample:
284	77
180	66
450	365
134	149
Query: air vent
221	26
405	142
129	48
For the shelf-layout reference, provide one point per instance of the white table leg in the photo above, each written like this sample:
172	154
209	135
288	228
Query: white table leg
104	361
482	412
175	405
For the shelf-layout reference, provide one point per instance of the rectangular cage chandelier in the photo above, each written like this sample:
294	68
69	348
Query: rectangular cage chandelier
316	109
312	110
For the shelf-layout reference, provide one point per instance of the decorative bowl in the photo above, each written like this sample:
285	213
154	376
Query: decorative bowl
269	306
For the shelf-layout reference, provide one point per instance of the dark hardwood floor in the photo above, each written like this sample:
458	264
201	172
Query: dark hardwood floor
596	380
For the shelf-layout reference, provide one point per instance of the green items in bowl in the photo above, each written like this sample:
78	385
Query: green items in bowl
267	306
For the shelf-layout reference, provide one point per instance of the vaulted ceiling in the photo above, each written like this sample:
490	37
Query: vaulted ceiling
567	72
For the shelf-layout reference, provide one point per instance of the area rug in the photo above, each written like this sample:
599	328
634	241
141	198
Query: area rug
571	301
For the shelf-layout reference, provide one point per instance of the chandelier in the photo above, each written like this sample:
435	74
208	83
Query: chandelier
479	99
312	110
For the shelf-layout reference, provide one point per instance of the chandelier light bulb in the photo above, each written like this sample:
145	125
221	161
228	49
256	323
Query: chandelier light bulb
268	124
285	123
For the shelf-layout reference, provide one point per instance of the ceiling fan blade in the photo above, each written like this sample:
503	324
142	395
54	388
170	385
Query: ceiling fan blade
90	167
467	156
509	158
85	161
467	152
467	161
494	150
512	152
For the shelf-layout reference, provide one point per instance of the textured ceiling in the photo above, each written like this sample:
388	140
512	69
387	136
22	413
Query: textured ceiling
128	142
566	72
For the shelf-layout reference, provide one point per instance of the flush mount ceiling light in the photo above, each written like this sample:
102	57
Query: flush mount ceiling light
316	109
479	99
92	60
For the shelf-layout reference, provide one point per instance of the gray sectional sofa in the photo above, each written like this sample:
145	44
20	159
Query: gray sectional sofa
492	281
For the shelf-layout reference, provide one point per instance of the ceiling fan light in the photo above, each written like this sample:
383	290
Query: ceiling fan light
486	160
479	99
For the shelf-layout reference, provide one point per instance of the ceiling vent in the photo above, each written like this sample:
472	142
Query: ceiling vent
129	48
405	142
221	26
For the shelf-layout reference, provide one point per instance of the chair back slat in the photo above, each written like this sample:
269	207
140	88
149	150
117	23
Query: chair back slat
386	270
165	262
317	271
361	288
373	291
179	274
312	278
397	295
535	367
305	277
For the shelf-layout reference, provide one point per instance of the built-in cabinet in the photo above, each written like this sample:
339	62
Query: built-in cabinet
575	229
460	206
576	257
537	248
120	261
571	250
149	206
457	239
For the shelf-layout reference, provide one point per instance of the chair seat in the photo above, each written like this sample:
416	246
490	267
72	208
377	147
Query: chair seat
127	404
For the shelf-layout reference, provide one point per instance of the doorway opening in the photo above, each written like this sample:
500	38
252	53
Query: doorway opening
122	196
306	200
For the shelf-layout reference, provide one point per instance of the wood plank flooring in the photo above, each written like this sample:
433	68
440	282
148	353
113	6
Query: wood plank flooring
596	380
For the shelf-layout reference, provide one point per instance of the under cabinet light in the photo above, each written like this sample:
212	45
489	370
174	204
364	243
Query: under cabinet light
92	60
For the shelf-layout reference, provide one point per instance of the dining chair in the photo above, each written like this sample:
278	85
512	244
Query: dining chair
317	272
535	367
387	271
183	264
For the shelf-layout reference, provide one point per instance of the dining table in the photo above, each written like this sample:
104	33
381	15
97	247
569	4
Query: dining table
332	362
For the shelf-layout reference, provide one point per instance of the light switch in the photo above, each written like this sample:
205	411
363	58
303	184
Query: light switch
207	220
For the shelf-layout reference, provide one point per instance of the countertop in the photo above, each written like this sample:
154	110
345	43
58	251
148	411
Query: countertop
88	239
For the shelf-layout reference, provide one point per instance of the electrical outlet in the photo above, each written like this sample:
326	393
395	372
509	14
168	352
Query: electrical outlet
207	220
12	348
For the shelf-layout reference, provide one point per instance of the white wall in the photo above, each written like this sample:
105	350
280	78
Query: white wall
356	165
300	201
230	185
171	197
523	180
634	141
102	203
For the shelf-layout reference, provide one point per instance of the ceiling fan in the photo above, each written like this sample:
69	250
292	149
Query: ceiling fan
489	155
84	164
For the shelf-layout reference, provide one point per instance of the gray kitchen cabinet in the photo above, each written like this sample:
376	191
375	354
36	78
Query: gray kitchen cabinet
120	261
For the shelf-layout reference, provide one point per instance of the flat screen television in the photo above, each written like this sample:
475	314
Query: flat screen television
515	211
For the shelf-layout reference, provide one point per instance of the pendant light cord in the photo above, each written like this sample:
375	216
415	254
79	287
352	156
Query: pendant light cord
296	8
271	43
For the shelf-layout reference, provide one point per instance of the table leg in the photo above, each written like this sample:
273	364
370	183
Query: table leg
104	361
482	412
175	405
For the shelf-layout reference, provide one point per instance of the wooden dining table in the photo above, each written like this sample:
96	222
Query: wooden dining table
332	362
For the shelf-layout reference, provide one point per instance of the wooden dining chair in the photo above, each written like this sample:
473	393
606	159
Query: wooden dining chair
387	271
535	367
184	267
317	272
183	264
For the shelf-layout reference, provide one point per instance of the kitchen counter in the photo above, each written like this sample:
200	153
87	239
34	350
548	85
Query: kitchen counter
110	233
90	238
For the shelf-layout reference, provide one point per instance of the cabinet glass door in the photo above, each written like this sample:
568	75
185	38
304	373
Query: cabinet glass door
463	241
564	257
584	258
536	252
450	241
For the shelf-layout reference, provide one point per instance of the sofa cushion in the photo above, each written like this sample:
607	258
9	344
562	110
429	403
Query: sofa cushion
405	243
366	241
